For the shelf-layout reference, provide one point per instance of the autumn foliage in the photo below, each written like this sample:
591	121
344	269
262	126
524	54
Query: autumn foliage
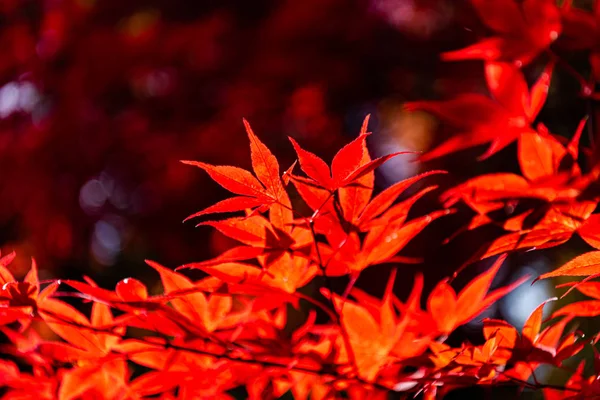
221	327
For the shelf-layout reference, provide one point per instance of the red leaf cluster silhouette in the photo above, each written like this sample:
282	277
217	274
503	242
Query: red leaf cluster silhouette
300	227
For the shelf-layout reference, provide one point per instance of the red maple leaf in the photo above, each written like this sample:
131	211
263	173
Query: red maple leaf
521	31
499	120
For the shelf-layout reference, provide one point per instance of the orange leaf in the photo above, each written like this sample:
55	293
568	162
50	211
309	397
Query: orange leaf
583	265
507	85
471	299
383	242
313	166
266	168
588	308
386	198
5	275
348	159
234	179
539	155
590	231
232	204
441	304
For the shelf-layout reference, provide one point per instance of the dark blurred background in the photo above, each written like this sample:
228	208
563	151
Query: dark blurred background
100	99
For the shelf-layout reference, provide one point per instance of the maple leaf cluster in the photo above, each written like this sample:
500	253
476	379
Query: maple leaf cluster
298	228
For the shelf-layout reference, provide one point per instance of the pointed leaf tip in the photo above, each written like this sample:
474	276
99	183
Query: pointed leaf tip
365	125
